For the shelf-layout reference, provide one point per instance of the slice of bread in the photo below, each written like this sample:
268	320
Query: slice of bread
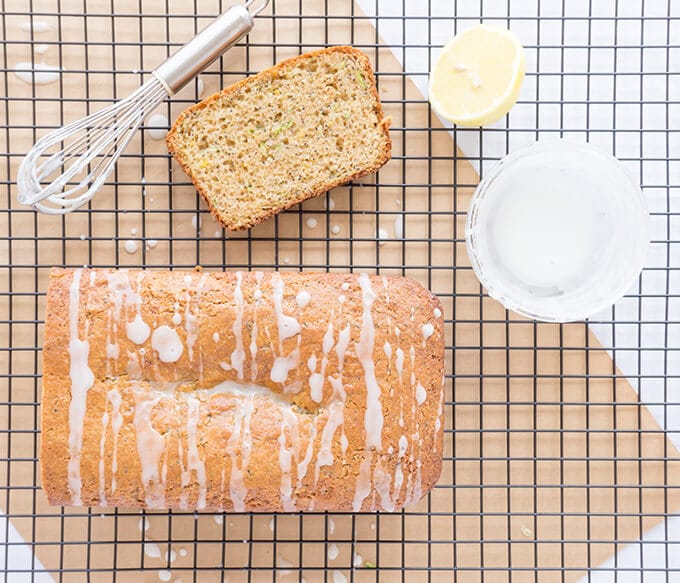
285	135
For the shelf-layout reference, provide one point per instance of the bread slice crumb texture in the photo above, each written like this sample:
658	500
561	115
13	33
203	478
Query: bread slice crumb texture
285	135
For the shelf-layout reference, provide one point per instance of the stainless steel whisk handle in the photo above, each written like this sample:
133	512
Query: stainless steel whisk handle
206	47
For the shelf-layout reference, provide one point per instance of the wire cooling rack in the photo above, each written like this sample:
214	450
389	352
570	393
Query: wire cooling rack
554	460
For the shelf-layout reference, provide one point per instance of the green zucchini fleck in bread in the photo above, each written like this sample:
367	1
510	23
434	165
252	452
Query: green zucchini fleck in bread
285	135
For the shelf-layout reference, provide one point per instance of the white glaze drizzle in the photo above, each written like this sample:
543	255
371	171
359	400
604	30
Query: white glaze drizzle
428	330
284	364
363	487
373	417
289	421
382	482
253	335
240	440
303	464
437	313
191	319
399	363
194	462
138	331
81	381
387	348
421	394
102	448
238	356
288	326
113	397
150	448
177	317
317	379
325	455
440	410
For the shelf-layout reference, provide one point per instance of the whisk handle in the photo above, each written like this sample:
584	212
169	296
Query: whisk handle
204	48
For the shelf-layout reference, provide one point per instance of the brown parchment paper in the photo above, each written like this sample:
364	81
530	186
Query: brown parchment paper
550	460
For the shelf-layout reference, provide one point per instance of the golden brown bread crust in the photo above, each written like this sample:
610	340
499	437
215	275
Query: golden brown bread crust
203	430
175	148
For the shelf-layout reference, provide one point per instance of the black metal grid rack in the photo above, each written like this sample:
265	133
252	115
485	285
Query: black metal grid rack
555	463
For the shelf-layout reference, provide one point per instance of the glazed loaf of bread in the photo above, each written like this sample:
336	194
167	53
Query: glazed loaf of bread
240	391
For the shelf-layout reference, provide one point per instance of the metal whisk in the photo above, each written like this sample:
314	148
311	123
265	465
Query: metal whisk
65	168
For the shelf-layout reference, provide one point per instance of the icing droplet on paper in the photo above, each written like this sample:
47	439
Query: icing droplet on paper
38	74
157	126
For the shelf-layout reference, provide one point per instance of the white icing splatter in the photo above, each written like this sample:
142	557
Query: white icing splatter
216	337
35	26
333	552
329	203
183	552
311	223
331	525
382	236
38	74
167	343
131	246
437	313
345	286
143	524
428	330
196	222
399	227
170	555
219	519
200	87
164	575
152	550
303	298
358	561
338	577
335	229
157	126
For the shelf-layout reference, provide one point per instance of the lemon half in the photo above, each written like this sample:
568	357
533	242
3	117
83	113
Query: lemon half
478	76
